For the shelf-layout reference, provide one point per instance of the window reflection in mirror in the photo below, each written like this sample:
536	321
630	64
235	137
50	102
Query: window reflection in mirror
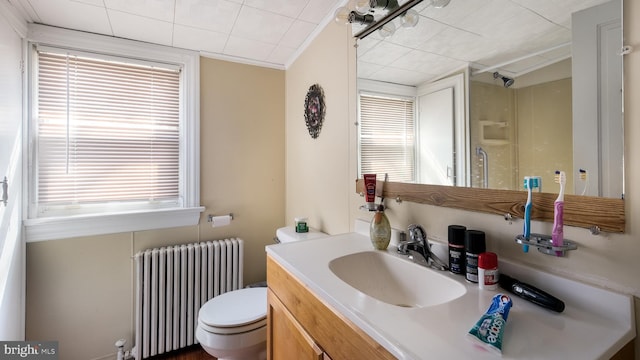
386	132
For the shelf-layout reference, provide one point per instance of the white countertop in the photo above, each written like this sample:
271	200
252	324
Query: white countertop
595	324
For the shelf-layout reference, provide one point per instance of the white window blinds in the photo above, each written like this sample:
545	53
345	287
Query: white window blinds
108	133
387	137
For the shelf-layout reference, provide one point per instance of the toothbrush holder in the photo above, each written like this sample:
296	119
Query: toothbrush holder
545	246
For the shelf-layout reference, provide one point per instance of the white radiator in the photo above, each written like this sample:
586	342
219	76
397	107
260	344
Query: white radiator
173	282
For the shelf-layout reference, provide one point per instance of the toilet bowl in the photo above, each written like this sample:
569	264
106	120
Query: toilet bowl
233	326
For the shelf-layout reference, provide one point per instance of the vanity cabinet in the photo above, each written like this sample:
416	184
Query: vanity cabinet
311	305
301	326
287	338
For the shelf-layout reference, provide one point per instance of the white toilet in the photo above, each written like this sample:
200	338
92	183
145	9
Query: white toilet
233	326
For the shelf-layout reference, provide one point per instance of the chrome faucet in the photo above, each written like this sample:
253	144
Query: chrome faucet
417	248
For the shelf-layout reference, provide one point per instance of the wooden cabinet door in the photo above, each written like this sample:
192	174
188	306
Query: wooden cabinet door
286	339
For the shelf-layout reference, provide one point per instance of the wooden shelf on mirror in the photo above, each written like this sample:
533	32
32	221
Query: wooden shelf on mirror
581	211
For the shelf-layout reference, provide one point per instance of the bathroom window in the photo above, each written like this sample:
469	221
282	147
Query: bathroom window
109	137
387	136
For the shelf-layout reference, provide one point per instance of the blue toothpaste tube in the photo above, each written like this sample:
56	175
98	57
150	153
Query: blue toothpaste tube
488	330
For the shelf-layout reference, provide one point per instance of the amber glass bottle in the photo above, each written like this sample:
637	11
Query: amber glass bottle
380	230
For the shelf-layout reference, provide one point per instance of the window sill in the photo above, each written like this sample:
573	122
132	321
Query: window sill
74	226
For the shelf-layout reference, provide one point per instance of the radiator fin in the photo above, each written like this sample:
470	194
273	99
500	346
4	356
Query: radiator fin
173	282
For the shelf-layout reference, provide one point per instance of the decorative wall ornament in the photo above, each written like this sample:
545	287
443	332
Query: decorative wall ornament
314	110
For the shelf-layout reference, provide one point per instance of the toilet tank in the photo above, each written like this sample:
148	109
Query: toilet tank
288	234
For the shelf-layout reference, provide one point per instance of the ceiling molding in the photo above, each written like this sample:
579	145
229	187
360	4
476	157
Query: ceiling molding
16	16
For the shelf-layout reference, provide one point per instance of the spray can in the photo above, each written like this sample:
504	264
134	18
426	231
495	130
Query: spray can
474	245
488	271
456	249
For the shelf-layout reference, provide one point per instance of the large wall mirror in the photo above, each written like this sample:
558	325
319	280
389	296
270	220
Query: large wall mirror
483	93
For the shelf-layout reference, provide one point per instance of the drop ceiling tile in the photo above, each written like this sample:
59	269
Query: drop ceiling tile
454	13
193	38
422	6
427	63
99	3
496	58
559	11
155	9
366	70
281	54
550	38
65	13
248	49
424	30
137	28
549	8
260	25
498	16
317	10
512	30
402	76
365	45
384	54
214	15
457	44
543	38
282	7
206	25
297	34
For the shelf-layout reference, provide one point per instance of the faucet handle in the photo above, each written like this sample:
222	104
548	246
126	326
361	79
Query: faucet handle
403	243
402	248
417	234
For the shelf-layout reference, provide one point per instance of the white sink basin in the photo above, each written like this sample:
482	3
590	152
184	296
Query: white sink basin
395	281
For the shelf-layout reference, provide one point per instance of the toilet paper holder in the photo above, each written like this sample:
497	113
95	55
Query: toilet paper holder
210	216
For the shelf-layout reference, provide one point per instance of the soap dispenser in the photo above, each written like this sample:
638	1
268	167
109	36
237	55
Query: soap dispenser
380	230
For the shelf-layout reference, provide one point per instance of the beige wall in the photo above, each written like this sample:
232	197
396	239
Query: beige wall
545	132
492	103
535	123
80	291
319	176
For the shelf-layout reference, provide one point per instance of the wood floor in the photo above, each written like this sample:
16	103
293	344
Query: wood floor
190	353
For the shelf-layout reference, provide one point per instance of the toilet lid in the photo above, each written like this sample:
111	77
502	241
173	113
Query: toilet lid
244	308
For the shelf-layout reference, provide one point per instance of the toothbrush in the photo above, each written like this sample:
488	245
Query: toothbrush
558	210
585	178
528	184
